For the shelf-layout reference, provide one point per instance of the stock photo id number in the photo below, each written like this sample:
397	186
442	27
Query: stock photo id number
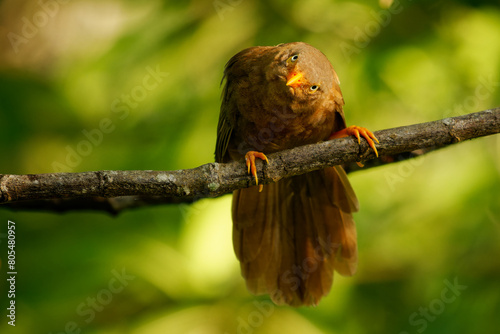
11	272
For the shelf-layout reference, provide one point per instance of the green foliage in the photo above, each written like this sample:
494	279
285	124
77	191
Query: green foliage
132	85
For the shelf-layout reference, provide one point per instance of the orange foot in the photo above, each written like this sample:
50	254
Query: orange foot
355	130
250	162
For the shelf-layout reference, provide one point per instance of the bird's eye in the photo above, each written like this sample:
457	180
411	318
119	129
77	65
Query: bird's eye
314	88
292	59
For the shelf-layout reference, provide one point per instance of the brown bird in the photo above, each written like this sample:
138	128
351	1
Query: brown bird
289	236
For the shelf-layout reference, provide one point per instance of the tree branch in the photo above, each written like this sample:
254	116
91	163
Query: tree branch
111	190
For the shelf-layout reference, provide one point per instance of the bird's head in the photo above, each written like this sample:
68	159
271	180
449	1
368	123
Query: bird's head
307	73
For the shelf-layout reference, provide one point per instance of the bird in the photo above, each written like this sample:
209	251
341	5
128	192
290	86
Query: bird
291	235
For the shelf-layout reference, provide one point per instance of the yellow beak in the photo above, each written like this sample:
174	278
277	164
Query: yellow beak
294	78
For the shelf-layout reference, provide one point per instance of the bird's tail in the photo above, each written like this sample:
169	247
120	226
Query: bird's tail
290	237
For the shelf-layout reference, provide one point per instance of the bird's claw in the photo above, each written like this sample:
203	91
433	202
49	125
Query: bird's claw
250	163
358	132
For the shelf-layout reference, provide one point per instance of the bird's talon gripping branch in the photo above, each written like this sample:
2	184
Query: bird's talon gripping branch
250	162
357	131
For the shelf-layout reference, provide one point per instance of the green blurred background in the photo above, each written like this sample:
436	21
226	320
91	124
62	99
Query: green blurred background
73	67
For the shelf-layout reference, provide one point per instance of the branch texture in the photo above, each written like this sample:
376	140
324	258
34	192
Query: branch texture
215	179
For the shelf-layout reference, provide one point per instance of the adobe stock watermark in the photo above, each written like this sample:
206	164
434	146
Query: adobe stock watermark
263	310
88	309
437	306
31	26
404	170
485	88
364	35
294	277
193	208
120	109
223	6
491	216
269	134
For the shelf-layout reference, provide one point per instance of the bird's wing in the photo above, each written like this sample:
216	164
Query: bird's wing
226	117
224	131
